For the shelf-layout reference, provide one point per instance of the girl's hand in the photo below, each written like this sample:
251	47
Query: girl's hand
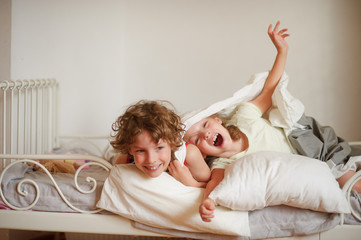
278	37
206	210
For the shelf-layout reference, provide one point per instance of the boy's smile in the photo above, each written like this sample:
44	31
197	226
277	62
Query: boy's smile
150	157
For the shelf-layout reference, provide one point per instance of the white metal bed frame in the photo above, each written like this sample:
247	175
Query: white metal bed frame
24	101
29	130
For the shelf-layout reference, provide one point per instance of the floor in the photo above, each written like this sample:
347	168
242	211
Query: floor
6	234
50	236
38	235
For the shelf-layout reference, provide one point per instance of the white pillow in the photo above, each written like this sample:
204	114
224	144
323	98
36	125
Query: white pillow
164	202
271	178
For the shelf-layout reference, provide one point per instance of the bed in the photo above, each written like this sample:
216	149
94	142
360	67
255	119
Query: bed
29	140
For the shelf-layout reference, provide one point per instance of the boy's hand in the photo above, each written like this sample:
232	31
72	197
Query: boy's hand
181	173
206	210
278	37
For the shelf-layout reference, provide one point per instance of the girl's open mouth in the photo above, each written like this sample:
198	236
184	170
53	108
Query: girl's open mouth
218	140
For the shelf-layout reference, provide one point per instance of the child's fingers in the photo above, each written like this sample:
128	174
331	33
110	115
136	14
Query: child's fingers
207	215
277	25
283	31
205	212
270	29
176	163
206	219
171	167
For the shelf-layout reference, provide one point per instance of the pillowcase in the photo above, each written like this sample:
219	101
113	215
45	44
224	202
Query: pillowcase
264	179
164	202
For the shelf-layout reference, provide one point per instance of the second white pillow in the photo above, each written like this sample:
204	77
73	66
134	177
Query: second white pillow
271	178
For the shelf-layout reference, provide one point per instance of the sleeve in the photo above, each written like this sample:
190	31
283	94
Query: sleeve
248	110
181	153
246	113
220	163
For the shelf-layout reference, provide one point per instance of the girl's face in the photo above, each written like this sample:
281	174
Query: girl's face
150	157
210	137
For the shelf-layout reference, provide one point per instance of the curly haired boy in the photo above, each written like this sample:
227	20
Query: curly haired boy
149	133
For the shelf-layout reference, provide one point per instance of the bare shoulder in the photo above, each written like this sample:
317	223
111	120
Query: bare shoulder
192	149
121	159
193	153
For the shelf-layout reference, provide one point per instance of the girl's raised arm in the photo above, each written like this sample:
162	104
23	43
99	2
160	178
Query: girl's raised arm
264	100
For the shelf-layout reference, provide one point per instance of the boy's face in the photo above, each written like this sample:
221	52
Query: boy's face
210	137
150	157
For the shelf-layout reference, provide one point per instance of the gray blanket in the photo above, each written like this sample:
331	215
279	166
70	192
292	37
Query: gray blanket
276	221
320	142
50	199
270	222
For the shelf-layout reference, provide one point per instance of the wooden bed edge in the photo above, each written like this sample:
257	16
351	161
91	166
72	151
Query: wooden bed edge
111	224
349	232
70	222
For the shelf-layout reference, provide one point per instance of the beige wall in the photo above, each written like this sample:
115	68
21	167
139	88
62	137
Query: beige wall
5	39
108	54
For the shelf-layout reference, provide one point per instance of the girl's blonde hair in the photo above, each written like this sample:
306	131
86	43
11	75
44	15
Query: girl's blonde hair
153	116
234	132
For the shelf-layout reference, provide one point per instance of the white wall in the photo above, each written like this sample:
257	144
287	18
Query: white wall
108	54
5	39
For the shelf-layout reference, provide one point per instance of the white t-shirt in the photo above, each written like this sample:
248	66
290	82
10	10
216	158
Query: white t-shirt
262	136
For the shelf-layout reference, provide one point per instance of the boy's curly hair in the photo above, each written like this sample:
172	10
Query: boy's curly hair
153	116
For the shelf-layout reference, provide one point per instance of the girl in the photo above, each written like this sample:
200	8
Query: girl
149	133
246	131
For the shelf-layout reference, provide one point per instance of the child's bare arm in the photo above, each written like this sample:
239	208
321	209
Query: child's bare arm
264	100
121	159
196	173
183	175
344	178
206	209
196	164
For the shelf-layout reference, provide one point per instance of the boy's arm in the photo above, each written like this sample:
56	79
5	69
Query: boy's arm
183	175
196	173
121	159
264	100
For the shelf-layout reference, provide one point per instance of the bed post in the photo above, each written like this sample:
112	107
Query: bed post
29	117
